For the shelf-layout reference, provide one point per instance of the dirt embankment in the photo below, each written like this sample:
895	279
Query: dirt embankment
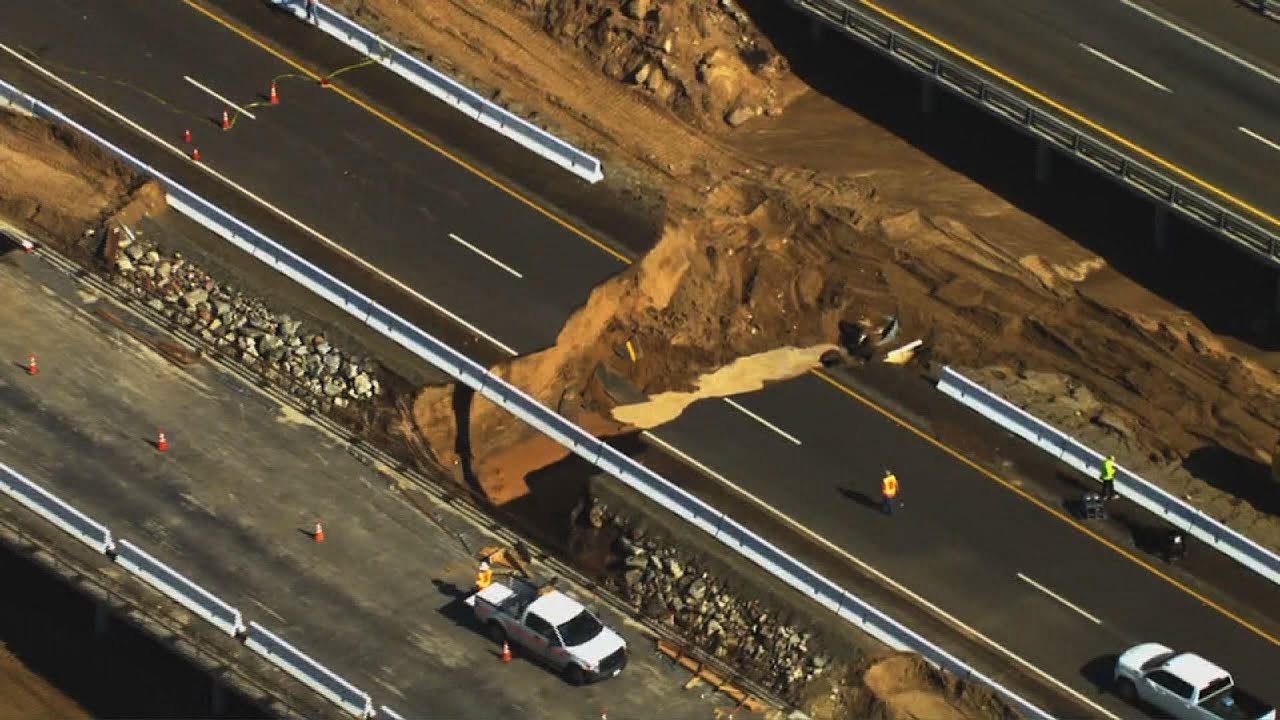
986	286
60	185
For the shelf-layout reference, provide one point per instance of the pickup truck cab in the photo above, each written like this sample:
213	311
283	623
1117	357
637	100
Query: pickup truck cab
551	626
1184	685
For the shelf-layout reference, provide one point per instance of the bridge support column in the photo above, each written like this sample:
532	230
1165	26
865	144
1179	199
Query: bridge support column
928	95
217	699
1044	161
1160	229
101	619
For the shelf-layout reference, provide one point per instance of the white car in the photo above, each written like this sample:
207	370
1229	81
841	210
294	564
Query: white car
1184	685
553	627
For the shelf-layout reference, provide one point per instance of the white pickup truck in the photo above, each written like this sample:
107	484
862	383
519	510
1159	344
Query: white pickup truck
552	627
1184	685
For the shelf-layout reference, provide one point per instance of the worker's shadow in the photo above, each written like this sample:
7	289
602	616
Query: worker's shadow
455	609
861	498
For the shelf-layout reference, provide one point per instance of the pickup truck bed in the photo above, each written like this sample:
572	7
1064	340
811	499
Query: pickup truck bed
1236	704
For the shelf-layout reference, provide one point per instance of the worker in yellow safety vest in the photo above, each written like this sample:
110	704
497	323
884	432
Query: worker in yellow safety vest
888	492
484	576
1109	477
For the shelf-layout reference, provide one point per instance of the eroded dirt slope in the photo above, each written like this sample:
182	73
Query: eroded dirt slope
986	286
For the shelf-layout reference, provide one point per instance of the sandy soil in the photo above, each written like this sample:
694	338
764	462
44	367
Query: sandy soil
27	696
759	200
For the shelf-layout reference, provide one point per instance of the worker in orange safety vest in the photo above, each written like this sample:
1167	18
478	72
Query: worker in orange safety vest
484	576
889	492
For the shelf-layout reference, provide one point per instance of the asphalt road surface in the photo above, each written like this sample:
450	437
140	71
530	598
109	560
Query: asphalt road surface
231	504
1196	83
809	449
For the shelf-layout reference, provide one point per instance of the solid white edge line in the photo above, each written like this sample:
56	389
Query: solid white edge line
485	255
1269	143
762	421
1108	59
881	577
239	109
1202	41
671	448
364	264
1058	597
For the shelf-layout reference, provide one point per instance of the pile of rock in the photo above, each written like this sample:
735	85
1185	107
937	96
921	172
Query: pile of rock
669	585
274	344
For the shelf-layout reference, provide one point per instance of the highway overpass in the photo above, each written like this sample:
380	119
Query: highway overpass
377	185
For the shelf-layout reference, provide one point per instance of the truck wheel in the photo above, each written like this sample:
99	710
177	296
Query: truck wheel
1126	690
496	632
574	675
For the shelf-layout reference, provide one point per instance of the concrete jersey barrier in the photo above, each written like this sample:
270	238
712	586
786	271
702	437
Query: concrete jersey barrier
51	508
180	589
546	421
450	91
1128	484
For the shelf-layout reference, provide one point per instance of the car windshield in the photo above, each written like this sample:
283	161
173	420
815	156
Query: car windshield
580	629
1156	661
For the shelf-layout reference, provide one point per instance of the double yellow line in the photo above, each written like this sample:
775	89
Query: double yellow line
956	454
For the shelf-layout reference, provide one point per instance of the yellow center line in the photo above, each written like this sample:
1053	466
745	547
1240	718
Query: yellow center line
956	454
1005	77
405	129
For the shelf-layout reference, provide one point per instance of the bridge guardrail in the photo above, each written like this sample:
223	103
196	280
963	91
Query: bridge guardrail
1266	7
180	589
450	91
1128	484
545	420
1133	170
51	508
308	671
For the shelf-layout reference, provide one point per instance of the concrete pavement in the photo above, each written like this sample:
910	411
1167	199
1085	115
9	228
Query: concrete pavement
230	505
945	548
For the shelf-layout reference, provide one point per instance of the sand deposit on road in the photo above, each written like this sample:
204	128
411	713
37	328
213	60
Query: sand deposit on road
757	178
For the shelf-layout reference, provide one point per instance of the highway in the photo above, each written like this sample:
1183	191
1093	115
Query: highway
1207	101
977	546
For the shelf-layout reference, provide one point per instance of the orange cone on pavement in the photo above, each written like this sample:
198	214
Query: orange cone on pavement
324	82
226	120
506	652
32	367
162	442
275	97
195	154
319	533
186	135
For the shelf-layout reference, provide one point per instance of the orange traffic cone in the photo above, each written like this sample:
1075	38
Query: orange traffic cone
226	120
32	367
319	533
275	97
186	135
195	154
506	652
162	442
324	82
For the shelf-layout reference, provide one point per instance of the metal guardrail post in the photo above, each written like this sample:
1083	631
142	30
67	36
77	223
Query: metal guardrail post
55	510
529	410
1128	484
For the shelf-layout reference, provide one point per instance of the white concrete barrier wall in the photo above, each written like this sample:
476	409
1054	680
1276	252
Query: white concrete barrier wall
450	91
1128	484
180	589
580	442
308	671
